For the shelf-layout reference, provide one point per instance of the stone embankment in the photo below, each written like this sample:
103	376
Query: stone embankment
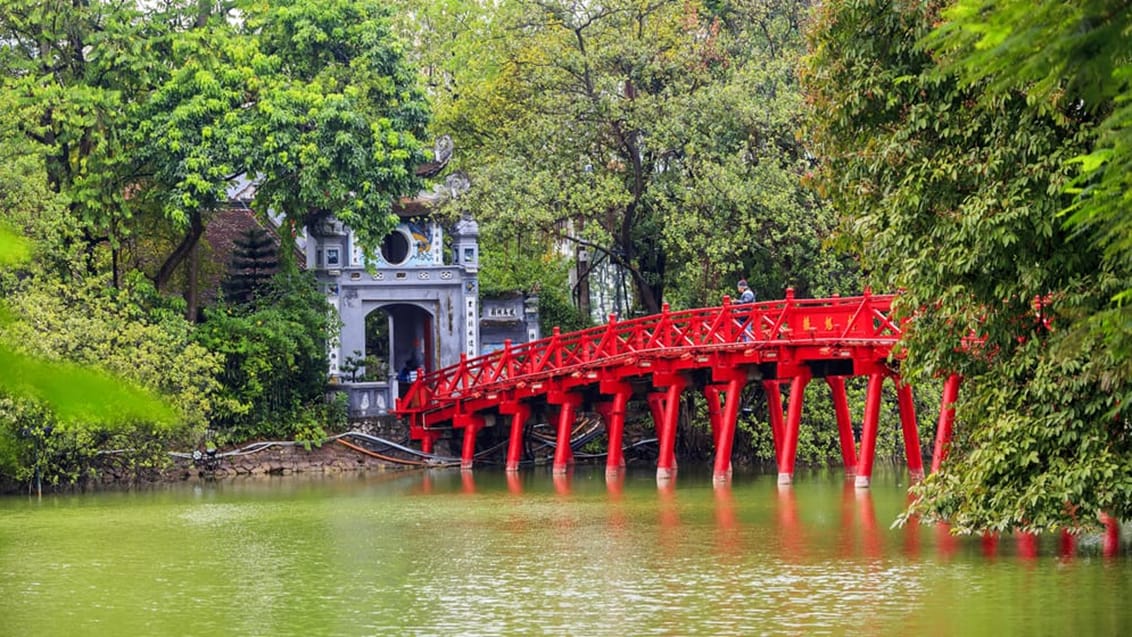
331	457
289	458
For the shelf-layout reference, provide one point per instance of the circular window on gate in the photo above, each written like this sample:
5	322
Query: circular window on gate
395	247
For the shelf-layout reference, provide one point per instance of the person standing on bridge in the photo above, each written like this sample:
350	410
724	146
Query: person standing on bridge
746	294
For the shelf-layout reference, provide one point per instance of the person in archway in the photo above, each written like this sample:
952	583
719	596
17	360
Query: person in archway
408	373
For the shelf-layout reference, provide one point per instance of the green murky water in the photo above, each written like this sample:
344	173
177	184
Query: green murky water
443	553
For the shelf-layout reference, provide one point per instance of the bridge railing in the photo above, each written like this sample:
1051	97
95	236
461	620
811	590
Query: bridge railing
767	323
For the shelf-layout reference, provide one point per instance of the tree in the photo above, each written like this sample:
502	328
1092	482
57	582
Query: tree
1063	56
41	393
1068	57
628	130
275	357
950	191
153	110
312	101
250	269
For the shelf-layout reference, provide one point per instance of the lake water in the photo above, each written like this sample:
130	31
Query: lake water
445	553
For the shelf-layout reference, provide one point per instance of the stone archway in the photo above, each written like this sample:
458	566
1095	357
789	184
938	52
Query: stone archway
402	334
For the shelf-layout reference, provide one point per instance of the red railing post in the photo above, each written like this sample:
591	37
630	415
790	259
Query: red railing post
727	324
506	367
555	336
610	340
460	378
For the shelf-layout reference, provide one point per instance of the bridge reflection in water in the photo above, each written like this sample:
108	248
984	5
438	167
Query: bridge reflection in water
857	533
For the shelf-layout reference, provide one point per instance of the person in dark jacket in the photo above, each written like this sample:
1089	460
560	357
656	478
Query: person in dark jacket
746	294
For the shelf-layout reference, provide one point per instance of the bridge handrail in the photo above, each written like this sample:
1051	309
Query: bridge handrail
762	324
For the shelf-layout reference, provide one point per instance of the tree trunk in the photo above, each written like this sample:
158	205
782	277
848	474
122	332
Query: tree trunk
583	287
192	236
192	288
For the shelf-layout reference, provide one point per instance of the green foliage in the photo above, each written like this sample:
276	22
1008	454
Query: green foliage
659	136
1064	57
83	368
555	310
76	393
949	187
32	217
70	72
34	448
511	263
147	112
364	368
274	352
344	114
127	125
130	333
13	248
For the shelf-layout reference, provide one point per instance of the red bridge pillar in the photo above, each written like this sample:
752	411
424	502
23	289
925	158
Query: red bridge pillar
614	413
774	410
946	421
869	431
910	429
674	385
793	423
519	413
725	439
844	423
472	423
428	440
568	406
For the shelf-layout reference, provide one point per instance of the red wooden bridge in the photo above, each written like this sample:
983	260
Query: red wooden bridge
656	358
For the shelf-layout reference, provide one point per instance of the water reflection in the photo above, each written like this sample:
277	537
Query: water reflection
563	480
668	515
790	530
946	542
615	486
447	552
1066	545
989	543
728	531
872	546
